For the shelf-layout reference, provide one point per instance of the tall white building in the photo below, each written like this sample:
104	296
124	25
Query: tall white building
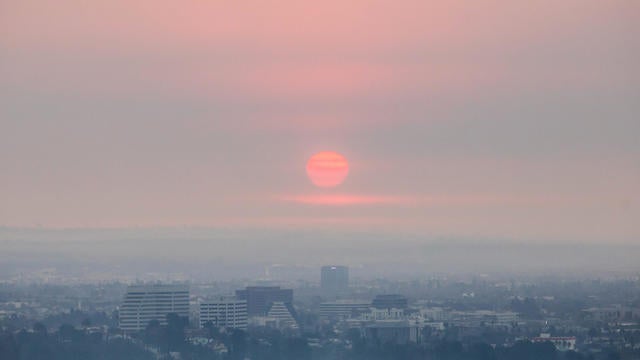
143	303
226	312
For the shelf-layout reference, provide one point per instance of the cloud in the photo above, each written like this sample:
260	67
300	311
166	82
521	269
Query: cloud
346	200
461	200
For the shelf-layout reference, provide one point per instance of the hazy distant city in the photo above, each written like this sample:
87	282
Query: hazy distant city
158	303
320	180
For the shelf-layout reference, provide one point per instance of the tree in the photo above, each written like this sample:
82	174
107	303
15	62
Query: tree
66	332
175	331
526	350
86	323
528	308
40	329
297	348
482	351
214	332
572	355
8	347
238	344
613	356
154	333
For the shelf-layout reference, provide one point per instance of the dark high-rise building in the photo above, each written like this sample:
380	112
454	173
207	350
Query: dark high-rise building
260	298
334	279
390	301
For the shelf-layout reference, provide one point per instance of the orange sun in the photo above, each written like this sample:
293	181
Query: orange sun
327	169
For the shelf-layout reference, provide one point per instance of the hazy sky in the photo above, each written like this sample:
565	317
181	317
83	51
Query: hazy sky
507	119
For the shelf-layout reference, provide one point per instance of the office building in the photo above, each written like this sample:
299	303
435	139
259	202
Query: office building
284	315
393	331
144	303
343	309
224	312
487	318
392	301
375	314
334	280
260	298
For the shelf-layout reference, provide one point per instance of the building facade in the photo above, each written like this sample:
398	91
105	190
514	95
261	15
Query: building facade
334	279
144	303
260	298
224	312
284	314
375	314
390	301
343	309
393	331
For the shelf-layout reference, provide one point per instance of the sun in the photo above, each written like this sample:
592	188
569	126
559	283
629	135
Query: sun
327	169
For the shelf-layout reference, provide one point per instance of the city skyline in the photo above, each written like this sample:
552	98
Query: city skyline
319	180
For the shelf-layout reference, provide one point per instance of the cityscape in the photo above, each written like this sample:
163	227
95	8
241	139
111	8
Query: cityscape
473	316
320	180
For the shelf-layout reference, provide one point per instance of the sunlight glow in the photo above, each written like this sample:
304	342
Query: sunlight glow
327	169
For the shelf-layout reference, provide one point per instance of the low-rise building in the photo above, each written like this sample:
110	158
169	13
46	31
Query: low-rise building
388	301
562	343
343	309
393	331
375	314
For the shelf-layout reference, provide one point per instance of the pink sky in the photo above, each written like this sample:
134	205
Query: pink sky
473	118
